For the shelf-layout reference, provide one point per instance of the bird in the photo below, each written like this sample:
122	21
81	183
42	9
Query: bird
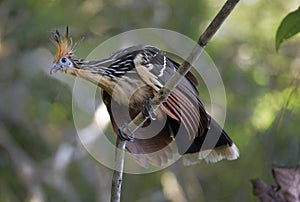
129	78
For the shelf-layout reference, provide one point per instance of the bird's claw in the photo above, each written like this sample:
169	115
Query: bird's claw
148	110
123	136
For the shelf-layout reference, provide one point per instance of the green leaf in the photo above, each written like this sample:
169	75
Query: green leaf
289	27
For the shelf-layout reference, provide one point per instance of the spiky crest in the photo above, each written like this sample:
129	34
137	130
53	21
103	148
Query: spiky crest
64	45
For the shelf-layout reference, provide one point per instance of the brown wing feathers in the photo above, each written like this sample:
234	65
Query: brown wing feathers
180	109
145	151
183	104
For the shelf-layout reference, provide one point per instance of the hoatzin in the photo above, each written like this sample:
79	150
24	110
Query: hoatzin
129	78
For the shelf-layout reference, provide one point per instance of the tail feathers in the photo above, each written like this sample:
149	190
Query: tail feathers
212	155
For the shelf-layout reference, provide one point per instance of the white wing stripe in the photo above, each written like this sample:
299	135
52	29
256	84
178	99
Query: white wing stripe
161	73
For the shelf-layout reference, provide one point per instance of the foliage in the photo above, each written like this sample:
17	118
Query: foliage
288	27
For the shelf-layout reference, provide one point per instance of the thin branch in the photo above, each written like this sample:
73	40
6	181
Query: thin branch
118	171
164	92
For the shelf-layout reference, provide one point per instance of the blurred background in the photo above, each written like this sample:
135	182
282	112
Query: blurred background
41	158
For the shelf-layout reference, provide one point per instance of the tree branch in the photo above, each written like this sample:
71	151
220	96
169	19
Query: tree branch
118	171
164	92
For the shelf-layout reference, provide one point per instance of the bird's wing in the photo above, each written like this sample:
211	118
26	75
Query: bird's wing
183	104
157	150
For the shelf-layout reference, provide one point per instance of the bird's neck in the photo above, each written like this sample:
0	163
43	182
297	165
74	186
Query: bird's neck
102	81
121	89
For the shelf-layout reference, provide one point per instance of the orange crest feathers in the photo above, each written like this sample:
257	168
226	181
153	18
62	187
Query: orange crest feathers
63	44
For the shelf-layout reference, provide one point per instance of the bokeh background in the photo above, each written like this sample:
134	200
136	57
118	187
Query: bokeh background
41	158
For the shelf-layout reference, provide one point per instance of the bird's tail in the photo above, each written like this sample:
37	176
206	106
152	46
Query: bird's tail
212	146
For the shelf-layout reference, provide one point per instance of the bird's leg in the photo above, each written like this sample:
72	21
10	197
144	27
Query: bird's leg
148	110
123	136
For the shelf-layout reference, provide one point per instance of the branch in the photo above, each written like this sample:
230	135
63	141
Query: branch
118	171
164	92
287	186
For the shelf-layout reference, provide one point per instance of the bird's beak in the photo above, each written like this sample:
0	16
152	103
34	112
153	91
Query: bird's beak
55	68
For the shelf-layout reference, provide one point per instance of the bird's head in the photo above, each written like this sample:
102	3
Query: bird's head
63	59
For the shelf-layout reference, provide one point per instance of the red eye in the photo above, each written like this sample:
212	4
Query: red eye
63	60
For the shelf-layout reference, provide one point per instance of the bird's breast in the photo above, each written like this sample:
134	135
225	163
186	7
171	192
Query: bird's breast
131	91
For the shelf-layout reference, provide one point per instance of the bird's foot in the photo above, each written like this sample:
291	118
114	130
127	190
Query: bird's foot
148	110
123	136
